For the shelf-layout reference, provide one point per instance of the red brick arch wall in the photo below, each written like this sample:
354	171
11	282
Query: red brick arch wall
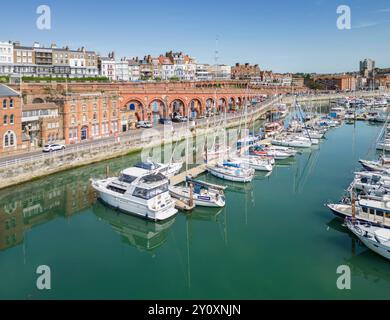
167	99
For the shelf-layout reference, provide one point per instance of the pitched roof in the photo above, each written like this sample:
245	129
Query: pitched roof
6	91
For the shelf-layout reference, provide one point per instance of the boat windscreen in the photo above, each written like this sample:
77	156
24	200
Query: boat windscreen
153	178
127	178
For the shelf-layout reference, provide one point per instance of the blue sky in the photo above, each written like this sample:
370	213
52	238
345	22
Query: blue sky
281	35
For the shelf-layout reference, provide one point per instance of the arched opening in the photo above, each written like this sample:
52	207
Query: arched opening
138	109
231	104
177	107
221	104
38	100
195	108
239	102
158	111
210	107
84	133
9	139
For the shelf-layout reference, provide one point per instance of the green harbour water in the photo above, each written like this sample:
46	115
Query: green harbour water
275	239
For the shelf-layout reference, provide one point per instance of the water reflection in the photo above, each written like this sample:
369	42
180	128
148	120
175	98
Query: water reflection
25	207
137	232
205	214
370	266
337	225
304	170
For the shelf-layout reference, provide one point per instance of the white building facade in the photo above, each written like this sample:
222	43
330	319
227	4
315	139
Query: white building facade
122	70
202	72
220	72
134	72
108	68
6	58
167	70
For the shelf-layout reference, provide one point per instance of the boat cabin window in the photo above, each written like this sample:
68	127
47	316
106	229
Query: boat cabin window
365	209
150	193
372	211
116	189
126	178
379	213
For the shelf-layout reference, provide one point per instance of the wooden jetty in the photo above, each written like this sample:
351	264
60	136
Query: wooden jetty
183	205
194	172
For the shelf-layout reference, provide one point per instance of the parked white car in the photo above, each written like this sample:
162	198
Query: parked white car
53	147
144	124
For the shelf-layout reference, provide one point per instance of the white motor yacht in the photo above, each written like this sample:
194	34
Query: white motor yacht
135	193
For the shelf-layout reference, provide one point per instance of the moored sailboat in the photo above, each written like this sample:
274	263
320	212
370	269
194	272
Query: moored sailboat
375	238
200	192
231	171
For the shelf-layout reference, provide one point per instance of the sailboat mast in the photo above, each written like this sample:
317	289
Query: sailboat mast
188	133
300	112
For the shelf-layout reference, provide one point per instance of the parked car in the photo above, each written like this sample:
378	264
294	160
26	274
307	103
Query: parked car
144	124
53	147
165	121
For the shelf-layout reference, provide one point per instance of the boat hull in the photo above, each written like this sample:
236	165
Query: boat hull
229	177
383	146
342	212
362	232
294	144
255	163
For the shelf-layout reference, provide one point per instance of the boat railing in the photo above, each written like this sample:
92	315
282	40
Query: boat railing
357	224
370	197
207	184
